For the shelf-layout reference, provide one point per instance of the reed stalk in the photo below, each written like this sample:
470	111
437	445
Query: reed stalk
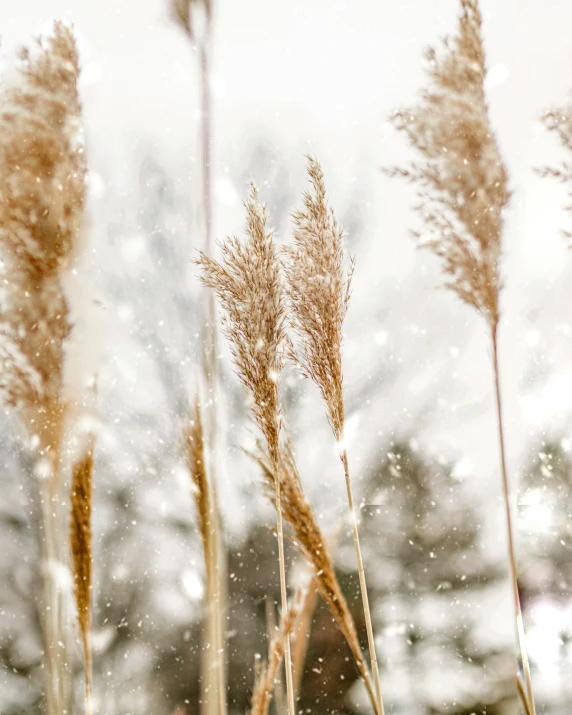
248	285
42	184
195	17
362	583
462	187
318	286
529	699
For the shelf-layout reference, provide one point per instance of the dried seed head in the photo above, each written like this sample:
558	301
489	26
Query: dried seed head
42	192
80	540
559	121
462	183
194	454
248	284
318	289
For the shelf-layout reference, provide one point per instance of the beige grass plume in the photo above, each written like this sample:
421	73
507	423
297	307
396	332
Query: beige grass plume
247	282
194	451
312	544
559	121
462	187
318	287
80	540
42	193
462	183
42	187
212	658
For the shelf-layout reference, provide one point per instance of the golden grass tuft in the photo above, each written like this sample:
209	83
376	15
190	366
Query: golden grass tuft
42	185
194	452
462	187
318	287
559	121
80	540
247	282
462	183
213	652
42	192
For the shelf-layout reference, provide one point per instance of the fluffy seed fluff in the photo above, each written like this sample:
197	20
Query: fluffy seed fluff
559	121
42	192
462	183
247	282
318	290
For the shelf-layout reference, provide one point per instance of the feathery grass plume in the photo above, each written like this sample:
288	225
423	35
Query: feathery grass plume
80	540
194	450
42	191
212	657
462	186
559	121
266	674
318	287
247	282
313	546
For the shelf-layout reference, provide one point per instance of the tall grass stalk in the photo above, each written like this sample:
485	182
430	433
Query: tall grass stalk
42	184
318	286
529	700
247	282
196	19
462	187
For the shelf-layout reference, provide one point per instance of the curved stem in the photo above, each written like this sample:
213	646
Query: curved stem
363	585
510	538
